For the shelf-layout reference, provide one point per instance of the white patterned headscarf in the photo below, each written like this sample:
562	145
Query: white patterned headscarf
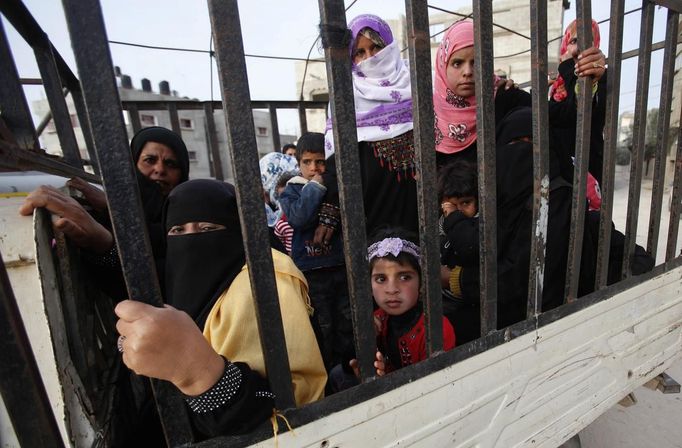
381	88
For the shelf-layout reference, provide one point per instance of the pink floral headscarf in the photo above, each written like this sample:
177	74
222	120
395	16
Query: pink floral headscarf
558	89
455	116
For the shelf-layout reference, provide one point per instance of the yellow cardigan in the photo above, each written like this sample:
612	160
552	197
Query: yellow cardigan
232	331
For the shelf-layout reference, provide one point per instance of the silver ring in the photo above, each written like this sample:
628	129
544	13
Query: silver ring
119	343
597	65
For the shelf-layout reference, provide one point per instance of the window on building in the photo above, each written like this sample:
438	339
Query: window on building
186	123
262	131
147	120
192	156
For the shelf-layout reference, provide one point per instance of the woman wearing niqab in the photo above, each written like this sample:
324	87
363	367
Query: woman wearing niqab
207	281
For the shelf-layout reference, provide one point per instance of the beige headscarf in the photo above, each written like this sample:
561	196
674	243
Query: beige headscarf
232	331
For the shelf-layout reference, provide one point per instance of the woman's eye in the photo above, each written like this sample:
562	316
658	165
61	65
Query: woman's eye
406	277
175	230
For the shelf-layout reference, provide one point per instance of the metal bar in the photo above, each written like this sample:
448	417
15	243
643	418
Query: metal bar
15	111
675	200
487	182
333	33
21	19
198	105
86	129
212	141
662	132
242	143
275	128
91	49
31	81
134	116
610	141
582	157
419	46
17	159
55	97
641	99
538	43
302	119
675	5
48	115
173	113
21	385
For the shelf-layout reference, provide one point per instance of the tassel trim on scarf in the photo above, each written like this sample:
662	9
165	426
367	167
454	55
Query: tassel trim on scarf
275	424
397	155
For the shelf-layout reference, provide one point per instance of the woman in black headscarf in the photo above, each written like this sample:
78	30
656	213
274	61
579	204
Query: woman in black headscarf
208	287
162	162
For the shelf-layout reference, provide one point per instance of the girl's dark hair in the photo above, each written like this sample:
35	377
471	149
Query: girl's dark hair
403	258
458	179
287	146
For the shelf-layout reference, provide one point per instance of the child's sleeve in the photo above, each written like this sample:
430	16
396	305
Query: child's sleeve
301	206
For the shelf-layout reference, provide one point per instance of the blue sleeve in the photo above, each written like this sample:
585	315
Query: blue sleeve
300	205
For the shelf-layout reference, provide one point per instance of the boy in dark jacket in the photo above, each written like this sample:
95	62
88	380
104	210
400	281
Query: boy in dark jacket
322	263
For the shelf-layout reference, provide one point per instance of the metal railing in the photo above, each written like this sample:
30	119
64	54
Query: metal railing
100	114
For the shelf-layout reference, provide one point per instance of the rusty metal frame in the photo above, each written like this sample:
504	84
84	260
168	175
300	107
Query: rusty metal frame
342	105
642	95
242	143
419	45
487	181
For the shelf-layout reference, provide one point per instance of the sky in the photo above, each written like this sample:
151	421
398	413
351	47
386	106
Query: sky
269	27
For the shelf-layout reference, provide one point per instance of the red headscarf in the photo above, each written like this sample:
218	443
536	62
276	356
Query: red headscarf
558	90
455	116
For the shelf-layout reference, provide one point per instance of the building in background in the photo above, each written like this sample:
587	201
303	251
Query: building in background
192	126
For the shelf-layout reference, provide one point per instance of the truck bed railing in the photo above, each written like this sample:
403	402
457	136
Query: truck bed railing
100	112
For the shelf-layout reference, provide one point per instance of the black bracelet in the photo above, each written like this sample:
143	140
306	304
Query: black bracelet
220	393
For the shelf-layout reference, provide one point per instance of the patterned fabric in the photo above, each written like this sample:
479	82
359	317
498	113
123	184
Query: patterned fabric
330	215
272	166
558	90
392	246
284	232
381	89
220	394
397	155
455	116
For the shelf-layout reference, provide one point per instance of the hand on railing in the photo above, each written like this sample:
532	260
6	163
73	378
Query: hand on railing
166	343
71	218
590	62
93	195
379	365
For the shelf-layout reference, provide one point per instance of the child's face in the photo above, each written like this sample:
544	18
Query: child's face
468	205
395	286
311	164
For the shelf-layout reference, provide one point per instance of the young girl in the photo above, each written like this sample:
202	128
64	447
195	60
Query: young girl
396	277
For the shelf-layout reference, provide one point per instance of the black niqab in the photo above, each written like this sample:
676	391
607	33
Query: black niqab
200	266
